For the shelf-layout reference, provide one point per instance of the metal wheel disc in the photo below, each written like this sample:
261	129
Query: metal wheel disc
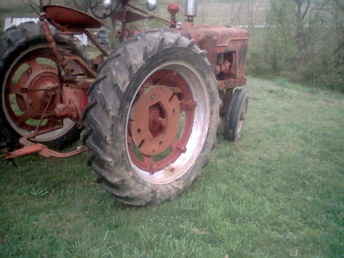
30	93
166	129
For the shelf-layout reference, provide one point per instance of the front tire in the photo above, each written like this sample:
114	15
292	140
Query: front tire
152	119
235	114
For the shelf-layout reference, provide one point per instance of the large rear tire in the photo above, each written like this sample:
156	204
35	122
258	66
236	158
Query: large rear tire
25	56
152	118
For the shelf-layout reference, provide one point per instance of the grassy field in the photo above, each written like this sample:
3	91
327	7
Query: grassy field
279	192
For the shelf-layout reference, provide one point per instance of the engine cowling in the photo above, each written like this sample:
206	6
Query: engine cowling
226	49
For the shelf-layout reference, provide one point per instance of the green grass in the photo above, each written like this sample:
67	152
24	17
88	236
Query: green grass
279	192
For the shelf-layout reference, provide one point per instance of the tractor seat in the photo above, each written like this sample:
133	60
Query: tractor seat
70	20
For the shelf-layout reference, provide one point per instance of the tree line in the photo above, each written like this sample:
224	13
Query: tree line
302	40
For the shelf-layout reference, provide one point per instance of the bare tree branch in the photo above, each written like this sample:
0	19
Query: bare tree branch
306	9
301	13
339	4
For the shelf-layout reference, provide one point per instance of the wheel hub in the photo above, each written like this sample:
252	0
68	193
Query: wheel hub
39	92
154	120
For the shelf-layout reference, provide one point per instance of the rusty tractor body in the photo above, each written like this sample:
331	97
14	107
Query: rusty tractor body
59	92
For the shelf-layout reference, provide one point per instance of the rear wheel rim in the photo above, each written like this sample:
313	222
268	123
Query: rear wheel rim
178	155
36	69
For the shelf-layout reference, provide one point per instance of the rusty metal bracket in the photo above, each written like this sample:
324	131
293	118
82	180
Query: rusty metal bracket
42	150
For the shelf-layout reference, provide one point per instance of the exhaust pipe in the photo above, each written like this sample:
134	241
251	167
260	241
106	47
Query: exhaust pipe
190	9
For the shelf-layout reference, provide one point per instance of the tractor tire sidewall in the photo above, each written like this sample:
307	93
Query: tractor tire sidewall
12	43
238	105
114	167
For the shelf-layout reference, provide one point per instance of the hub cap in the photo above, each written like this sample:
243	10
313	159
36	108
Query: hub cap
154	124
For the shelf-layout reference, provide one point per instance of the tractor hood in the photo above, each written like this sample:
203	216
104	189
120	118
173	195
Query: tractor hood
221	34
220	41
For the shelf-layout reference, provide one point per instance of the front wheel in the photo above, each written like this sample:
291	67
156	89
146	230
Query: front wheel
152	119
235	114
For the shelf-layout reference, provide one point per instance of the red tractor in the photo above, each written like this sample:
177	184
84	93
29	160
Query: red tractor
148	112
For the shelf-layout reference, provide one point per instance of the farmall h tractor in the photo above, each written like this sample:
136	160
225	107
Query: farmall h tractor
148	112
